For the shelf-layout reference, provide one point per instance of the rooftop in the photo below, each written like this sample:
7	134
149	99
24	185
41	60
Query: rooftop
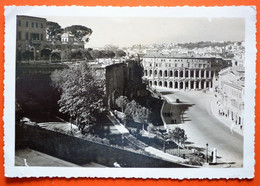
179	56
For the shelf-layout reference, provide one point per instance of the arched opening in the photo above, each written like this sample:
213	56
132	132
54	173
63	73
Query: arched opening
202	84
155	73
192	84
197	84
207	84
145	73
171	74
170	84
186	73
192	73
207	74
165	84
181	73
160	83
202	73
186	85
175	73
150	73
151	83
176	85
212	74
197	73
160	73
181	85
165	73
155	83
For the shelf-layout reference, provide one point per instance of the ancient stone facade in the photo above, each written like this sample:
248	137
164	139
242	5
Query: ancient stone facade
124	79
182	73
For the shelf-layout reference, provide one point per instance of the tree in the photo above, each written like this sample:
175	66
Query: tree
81	33
137	112
178	135
76	54
120	53
53	31
56	55
66	55
81	94
121	102
45	53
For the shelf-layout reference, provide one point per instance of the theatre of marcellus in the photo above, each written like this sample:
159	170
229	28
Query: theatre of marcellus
182	73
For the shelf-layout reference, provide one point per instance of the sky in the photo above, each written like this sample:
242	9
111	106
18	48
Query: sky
126	31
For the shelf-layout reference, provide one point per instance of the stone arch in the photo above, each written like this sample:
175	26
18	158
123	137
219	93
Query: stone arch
150	83
150	72
160	73
186	85
192	73
176	73
176	85
186	73
202	73
197	73
192	84
197	84
181	85
155	72
207	84
181	73
207	74
165	84
170	84
171	73
202	84
145	73
160	84
165	73
155	83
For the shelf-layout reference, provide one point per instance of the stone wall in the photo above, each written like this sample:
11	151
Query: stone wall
81	151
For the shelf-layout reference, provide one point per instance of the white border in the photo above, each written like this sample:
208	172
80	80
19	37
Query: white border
249	13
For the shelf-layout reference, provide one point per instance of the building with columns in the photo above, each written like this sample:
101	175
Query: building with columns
182	73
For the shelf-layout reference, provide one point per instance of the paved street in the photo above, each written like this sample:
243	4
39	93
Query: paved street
203	127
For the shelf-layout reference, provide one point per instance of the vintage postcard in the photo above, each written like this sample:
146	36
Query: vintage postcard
129	92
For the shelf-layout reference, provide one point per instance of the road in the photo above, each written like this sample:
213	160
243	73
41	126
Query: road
202	127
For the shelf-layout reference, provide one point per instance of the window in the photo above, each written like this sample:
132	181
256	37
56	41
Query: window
36	24
35	36
41	36
19	23
41	25
32	24
27	36
19	35
27	24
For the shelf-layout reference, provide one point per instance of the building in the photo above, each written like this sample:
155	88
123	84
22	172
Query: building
124	79
30	37
181	72
231	89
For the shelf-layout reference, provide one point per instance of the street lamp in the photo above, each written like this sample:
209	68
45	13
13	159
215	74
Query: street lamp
207	145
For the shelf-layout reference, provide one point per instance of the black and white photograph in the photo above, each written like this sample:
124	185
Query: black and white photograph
120	91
